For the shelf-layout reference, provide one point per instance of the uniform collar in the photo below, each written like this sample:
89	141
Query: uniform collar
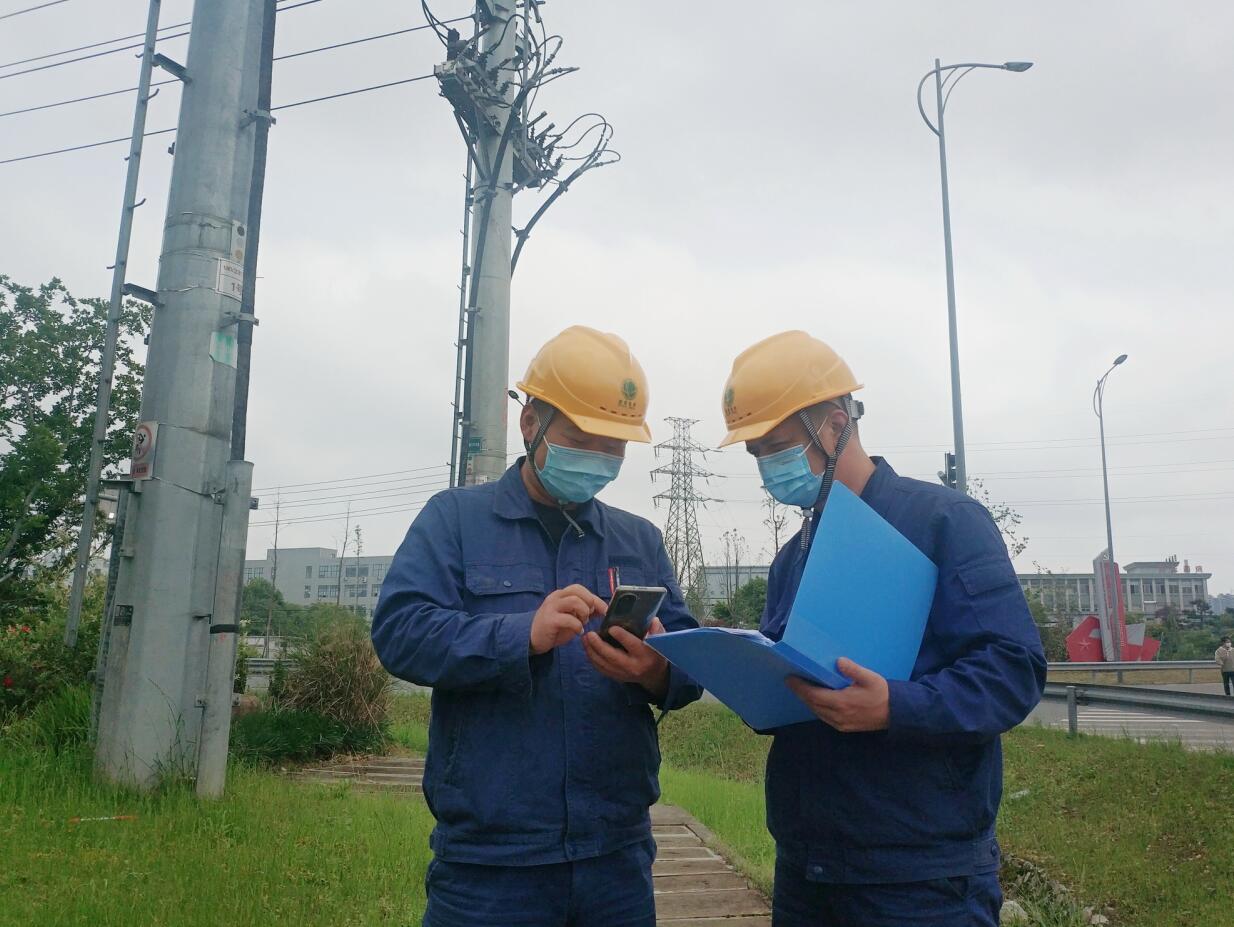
880	481
512	502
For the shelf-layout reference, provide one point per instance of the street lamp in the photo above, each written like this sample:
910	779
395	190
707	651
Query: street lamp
957	73
1098	398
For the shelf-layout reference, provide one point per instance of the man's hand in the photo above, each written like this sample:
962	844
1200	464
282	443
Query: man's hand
562	616
637	663
863	706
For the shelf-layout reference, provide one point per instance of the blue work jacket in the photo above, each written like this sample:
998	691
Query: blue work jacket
531	759
916	801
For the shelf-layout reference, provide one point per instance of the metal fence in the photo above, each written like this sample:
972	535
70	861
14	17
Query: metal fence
1137	673
1179	703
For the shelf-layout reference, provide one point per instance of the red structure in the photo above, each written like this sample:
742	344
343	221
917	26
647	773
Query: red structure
1106	637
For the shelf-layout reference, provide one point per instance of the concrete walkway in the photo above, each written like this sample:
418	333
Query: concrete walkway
695	885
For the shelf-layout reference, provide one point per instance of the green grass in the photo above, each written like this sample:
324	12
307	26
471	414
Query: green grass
272	852
1144	830
1147	829
409	721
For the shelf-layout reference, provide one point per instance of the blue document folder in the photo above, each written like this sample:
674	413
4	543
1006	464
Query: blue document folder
865	594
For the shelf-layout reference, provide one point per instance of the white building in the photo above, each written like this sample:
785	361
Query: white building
307	575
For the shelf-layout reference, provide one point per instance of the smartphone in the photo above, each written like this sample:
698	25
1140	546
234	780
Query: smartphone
632	607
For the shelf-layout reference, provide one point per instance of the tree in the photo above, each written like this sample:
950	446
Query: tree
777	518
1052	631
50	347
746	608
1007	518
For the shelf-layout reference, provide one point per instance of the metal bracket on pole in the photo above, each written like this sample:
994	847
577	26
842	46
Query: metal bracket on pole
252	115
142	293
175	69
235	317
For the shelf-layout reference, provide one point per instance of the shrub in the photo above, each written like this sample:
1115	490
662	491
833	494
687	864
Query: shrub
297	736
34	662
241	681
339	677
60	721
278	681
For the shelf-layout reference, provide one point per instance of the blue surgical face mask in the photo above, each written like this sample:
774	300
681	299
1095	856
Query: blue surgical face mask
573	475
788	477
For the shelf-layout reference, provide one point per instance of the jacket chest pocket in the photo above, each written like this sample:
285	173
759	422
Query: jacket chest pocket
504	587
624	575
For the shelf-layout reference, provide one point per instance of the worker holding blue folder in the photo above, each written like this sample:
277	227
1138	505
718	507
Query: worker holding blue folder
883	809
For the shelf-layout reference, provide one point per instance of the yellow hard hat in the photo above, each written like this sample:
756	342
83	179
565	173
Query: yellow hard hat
777	377
594	380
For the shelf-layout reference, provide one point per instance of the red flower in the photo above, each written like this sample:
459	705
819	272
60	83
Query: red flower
8	682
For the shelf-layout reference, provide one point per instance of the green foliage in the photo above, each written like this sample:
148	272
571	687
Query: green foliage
1191	643
50	346
241	681
1052	628
297	623
409	718
338	676
34	662
58	722
287	735
278	682
746	609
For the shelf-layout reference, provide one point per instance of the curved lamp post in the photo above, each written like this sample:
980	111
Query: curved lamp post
956	73
1098	397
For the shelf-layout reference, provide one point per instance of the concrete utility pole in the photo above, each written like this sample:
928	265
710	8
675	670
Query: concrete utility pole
107	363
486	403
490	81
186	502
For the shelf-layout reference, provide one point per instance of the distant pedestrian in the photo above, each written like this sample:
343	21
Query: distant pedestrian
1224	656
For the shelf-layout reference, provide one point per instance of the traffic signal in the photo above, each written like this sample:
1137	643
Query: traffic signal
947	475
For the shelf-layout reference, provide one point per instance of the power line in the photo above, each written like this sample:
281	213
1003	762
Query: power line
342	479
112	141
69	51
31	9
299	54
93	96
110	51
349	93
334	516
368	38
109	141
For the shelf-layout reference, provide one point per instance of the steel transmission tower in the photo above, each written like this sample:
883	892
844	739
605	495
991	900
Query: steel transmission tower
681	537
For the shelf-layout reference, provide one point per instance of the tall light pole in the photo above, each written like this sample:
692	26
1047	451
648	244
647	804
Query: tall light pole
1098	397
957	72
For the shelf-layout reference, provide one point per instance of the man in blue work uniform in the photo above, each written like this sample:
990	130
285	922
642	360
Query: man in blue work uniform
883	810
543	758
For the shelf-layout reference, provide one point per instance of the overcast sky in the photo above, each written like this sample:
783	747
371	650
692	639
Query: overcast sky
776	175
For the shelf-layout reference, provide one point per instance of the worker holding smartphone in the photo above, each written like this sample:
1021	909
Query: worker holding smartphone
542	759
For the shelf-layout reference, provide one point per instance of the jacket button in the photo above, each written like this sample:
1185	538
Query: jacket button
506	583
816	870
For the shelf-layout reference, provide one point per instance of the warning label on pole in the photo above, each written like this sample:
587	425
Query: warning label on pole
144	440
230	279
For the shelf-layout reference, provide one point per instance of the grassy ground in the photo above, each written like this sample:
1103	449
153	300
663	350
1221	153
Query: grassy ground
1146	831
272	852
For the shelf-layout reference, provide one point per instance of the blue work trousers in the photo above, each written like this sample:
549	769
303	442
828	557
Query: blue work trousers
613	890
960	901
